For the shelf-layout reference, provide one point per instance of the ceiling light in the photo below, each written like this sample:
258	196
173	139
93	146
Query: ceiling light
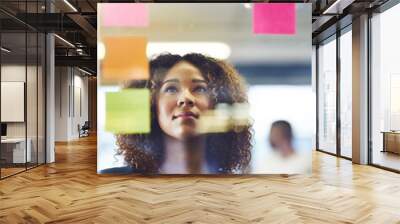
84	71
5	50
101	51
65	41
70	5
337	7
217	50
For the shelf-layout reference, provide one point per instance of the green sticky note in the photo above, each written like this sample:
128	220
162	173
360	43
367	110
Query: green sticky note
128	111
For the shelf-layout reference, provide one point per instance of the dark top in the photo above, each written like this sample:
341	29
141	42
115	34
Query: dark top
118	170
131	170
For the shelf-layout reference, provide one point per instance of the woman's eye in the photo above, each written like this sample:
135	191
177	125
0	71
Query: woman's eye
171	89
200	89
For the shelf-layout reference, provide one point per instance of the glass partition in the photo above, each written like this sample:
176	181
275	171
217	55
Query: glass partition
13	104
22	90
327	96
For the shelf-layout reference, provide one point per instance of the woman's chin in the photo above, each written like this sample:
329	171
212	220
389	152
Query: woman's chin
182	132
187	134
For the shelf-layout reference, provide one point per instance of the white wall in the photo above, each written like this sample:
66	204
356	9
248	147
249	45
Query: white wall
61	103
33	127
81	100
16	73
71	93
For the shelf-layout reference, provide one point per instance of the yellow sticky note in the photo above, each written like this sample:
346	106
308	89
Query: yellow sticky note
128	111
125	59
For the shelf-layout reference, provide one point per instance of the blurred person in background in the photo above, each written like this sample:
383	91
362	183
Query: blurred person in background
281	138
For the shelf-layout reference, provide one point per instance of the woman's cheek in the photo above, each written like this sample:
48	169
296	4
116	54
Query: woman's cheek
204	103
167	105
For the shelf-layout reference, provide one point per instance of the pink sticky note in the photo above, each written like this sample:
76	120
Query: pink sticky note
125	14
274	18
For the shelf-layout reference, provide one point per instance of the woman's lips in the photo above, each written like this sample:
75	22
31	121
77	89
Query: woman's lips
185	115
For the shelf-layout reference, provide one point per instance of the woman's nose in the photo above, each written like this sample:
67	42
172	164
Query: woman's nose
186	99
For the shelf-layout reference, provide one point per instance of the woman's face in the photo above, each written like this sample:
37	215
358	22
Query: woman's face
182	99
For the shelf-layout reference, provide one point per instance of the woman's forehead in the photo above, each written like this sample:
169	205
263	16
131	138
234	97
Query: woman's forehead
184	70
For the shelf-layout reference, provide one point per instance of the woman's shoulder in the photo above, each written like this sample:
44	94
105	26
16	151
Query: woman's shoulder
118	170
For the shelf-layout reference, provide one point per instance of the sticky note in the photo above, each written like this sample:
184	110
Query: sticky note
124	59
125	14
274	18
128	111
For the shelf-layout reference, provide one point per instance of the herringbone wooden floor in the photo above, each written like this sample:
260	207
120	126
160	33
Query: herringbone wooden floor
70	191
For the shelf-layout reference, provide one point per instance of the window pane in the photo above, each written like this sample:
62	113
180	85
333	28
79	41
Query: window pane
327	96
346	94
386	89
14	153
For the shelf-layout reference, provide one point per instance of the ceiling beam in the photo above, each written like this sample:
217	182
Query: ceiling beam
85	25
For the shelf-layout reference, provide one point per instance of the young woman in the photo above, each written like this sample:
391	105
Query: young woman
183	88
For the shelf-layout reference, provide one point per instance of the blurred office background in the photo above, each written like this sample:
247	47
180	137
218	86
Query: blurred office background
277	68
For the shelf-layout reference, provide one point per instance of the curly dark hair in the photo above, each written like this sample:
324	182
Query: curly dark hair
230	151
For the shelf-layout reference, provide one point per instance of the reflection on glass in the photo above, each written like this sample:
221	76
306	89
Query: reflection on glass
200	120
346	94
225	118
327	97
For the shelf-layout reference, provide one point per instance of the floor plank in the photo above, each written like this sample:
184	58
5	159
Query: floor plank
70	191
386	159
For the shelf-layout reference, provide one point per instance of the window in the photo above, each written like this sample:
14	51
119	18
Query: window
346	93
385	89
327	96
